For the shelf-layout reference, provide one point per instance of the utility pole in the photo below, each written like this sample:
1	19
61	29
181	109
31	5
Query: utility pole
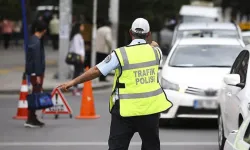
65	8
93	50
28	8
25	26
114	18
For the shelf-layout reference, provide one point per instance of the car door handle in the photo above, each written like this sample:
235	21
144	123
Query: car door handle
229	94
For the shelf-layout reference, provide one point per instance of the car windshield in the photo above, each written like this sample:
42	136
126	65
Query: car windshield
197	19
204	55
208	33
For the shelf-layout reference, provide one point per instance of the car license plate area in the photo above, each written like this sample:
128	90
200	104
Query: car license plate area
205	104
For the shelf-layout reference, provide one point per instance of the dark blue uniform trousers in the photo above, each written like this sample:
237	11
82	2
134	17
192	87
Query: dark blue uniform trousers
122	130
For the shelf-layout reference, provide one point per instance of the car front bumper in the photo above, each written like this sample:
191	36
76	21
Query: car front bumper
185	106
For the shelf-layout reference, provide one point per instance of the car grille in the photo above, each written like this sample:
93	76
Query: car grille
191	110
201	92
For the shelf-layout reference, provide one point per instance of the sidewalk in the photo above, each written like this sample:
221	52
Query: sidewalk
12	67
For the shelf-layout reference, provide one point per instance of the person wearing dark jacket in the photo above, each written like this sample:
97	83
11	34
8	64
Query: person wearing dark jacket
35	67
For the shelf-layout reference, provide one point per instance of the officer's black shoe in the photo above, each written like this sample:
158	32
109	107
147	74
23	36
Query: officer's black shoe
31	124
41	124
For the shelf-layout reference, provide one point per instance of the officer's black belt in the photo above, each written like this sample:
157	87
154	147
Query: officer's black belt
120	85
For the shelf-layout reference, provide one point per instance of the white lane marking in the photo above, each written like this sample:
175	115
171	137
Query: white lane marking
102	143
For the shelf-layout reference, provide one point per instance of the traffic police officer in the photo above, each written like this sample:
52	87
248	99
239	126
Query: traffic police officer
137	97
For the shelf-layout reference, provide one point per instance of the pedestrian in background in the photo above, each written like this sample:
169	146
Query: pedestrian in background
17	31
35	67
77	46
7	31
32	29
137	98
54	31
103	43
166	36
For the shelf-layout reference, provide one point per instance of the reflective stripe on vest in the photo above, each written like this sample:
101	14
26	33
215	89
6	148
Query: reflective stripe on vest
128	66
144	95
141	93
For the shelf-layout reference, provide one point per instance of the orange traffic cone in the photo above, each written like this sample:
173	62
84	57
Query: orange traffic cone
22	110
87	110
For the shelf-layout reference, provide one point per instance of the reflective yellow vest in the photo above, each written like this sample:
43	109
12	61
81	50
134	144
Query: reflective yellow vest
139	91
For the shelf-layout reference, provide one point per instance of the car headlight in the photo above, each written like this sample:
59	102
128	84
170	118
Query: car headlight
168	85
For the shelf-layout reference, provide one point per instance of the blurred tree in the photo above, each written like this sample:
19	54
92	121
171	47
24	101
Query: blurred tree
85	7
155	11
238	6
10	9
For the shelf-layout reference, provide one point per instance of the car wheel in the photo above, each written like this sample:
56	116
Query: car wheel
221	136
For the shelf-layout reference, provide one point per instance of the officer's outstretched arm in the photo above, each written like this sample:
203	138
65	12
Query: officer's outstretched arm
91	74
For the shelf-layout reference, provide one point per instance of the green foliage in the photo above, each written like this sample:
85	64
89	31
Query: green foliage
155	11
86	7
10	9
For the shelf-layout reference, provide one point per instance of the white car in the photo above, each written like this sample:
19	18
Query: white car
215	29
234	97
189	13
239	139
192	75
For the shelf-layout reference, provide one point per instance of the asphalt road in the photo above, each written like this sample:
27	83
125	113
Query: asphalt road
65	133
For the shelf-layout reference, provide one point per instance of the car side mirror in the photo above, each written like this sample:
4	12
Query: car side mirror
240	85
232	79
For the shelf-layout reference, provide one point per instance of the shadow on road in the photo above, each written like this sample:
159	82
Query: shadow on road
197	124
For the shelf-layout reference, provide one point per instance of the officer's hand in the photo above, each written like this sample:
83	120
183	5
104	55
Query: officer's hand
65	86
153	43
